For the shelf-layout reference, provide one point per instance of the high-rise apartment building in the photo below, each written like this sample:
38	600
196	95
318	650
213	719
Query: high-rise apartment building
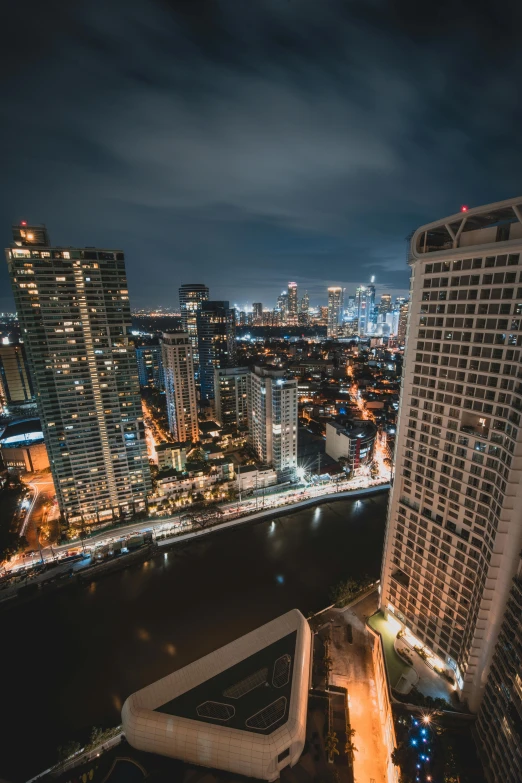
231	396
272	418
304	309
150	367
385	305
402	323
454	530
216	325
180	386
73	306
257	313
15	382
293	303
282	306
499	723
191	295
335	311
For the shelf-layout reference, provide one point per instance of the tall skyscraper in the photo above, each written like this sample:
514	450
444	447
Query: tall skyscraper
272	418
257	313
150	366
180	386
365	301
454	530
402	323
335	311
230	386
191	295
499	724
74	312
15	382
385	305
293	303
282	306
304	309
216	324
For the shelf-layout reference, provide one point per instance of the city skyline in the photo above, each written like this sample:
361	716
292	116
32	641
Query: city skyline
250	145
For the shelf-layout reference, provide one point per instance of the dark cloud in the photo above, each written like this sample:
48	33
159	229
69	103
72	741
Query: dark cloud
250	143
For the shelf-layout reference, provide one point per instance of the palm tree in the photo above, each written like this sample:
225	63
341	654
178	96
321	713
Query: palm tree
330	745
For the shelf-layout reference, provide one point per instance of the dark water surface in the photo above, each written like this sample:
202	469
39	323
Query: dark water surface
72	657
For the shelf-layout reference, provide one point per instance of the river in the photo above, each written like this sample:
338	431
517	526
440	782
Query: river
72	657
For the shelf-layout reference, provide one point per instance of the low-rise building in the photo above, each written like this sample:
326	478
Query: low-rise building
172	455
251	477
22	447
197	478
351	440
241	708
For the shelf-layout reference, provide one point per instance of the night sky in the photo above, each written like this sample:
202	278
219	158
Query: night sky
245	143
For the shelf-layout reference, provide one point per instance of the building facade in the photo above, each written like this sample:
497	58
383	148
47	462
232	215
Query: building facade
335	311
150	367
231	395
499	724
191	295
216	322
272	418
15	382
351	441
454	527
74	312
180	386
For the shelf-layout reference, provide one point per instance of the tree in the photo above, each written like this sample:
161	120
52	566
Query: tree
330	744
68	749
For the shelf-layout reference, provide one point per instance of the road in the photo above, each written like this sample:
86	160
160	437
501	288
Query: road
176	524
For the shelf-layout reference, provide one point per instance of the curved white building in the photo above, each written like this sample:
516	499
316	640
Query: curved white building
454	529
241	708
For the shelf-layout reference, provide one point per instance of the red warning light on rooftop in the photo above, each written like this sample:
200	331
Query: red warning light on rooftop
463	208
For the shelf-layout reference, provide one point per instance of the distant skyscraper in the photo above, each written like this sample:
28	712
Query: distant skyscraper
454	530
365	301
272	418
293	306
191	295
180	386
257	313
150	366
385	305
402	323
15	385
74	312
230	386
305	305
335	311
216	324
282	305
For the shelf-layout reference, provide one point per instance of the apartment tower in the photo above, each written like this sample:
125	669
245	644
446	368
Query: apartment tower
73	306
180	386
191	295
272	418
216	325
231	394
454	530
335	311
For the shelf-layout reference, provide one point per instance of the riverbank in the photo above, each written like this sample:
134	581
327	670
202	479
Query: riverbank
11	598
280	511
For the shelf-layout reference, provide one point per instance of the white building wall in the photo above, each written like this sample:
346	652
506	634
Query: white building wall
455	514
